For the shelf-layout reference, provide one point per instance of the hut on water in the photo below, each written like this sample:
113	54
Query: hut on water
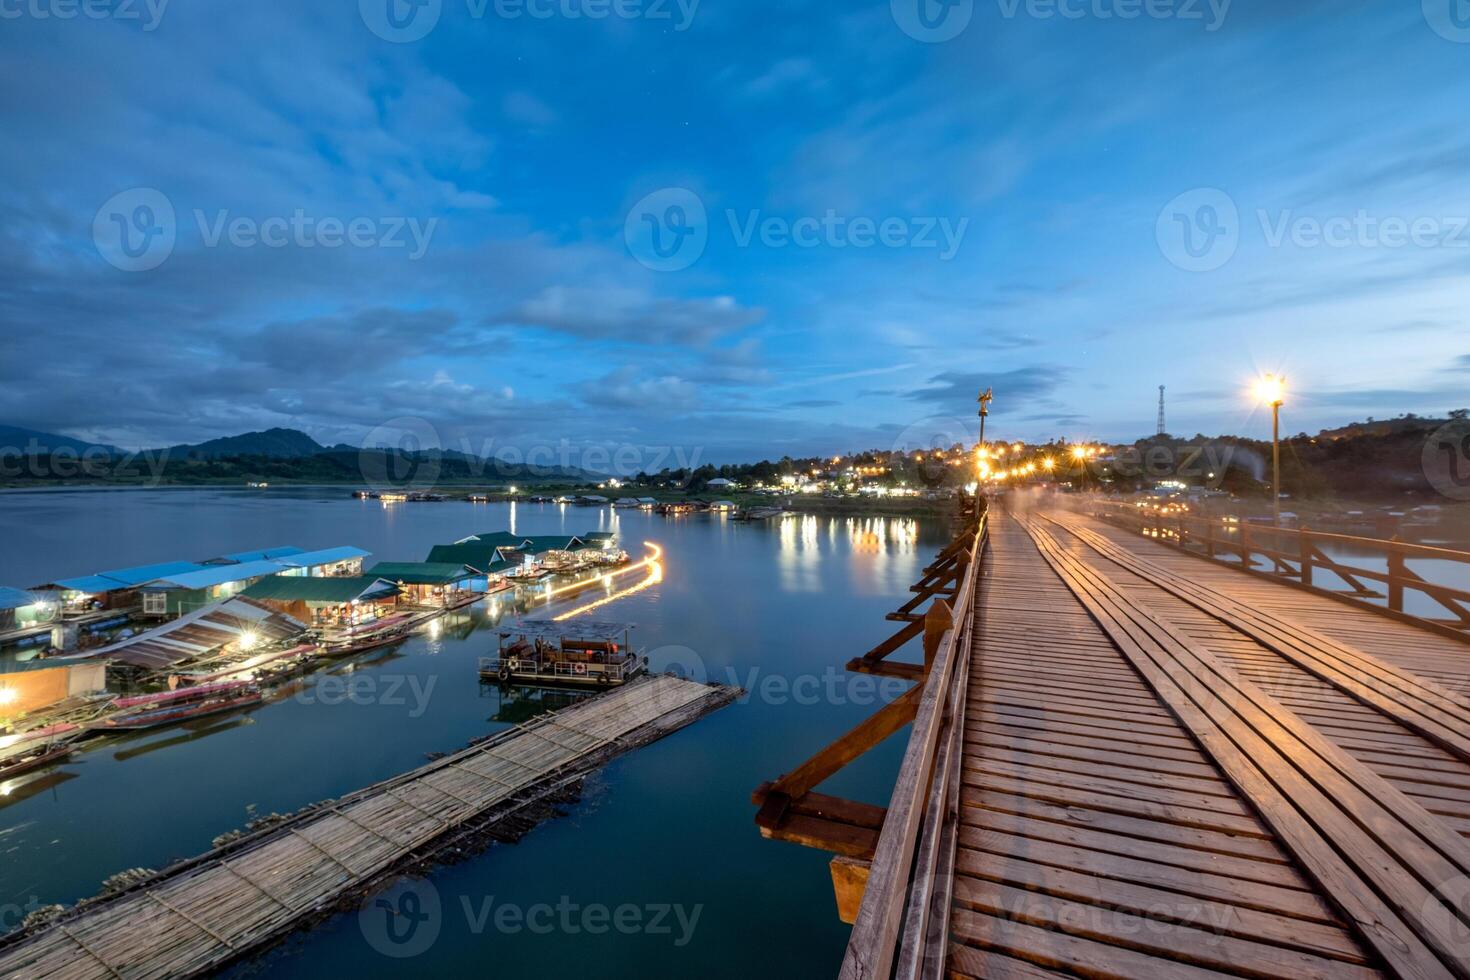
429	583
326	600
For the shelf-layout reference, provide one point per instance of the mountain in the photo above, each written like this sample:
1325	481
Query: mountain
272	443
1384	427
17	441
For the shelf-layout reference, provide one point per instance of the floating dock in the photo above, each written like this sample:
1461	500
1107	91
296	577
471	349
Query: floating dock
238	899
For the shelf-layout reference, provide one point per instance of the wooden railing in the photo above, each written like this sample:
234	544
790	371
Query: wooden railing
893	872
1300	556
903	922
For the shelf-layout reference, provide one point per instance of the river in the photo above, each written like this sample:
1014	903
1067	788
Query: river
659	871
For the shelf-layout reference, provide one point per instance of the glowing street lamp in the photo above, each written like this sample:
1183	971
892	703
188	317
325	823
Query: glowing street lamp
1271	389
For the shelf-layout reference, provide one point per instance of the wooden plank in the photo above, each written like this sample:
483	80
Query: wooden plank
1311	793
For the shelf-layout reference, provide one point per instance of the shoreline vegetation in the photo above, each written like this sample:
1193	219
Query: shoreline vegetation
1371	462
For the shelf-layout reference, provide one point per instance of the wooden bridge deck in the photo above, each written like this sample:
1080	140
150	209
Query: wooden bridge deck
1173	768
205	912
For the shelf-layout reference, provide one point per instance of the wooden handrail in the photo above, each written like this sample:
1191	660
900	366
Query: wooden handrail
1297	561
898	921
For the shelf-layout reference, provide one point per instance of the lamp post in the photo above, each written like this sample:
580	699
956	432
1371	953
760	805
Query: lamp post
986	397
1271	389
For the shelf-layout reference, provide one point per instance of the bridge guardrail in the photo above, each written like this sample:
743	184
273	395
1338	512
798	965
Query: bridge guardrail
1297	555
903	923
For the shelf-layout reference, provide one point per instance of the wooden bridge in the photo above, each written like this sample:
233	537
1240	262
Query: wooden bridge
1150	746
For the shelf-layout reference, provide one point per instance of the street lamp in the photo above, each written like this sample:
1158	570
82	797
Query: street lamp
1271	389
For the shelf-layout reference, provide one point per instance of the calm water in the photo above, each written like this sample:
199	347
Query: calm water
767	605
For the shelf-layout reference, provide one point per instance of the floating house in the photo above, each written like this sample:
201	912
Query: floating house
605	540
548	552
239	623
116	589
174	595
36	688
647	503
321	600
626	503
22	611
487	559
430	583
498	539
345	561
722	505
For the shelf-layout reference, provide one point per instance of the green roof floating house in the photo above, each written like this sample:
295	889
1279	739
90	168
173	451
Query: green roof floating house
486	559
319	599
430	583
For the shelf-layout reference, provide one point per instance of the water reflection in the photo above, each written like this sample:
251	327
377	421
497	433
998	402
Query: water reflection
799	560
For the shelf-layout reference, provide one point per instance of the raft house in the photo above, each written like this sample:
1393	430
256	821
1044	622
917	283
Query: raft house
24	614
327	601
439	585
578	653
487	561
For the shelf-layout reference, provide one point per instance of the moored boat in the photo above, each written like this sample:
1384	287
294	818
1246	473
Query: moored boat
580	654
180	710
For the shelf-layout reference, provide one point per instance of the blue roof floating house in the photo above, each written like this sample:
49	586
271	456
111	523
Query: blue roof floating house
261	554
344	560
173	595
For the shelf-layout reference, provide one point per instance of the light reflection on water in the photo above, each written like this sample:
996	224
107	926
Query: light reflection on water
792	597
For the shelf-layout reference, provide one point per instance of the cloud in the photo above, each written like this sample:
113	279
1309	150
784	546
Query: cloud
523	107
1013	389
623	314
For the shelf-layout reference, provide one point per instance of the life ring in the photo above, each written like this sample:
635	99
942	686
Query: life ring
504	673
580	669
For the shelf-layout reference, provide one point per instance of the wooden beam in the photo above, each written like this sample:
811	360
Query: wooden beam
849	881
881	724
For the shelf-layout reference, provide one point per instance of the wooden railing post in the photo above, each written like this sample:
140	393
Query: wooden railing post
1304	553
937	621
1396	575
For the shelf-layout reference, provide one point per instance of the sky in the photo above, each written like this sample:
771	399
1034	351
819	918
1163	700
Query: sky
733	229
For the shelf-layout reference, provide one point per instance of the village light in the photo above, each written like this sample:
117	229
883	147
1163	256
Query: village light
1079	453
8	695
248	640
1048	464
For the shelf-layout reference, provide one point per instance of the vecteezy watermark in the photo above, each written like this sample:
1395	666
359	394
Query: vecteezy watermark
669	230
388	690
138	229
135	230
406	919
402	454
833	230
150	12
1211	13
405	21
1450	19
1446	460
1201	230
932	21
935	21
35	461
832	686
409	454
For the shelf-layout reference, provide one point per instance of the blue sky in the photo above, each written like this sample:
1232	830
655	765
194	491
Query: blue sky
1033	176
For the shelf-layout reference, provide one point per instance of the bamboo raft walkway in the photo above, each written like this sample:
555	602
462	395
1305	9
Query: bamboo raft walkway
207	911
1142	763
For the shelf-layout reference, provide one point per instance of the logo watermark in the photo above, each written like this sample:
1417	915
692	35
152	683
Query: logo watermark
1450	19
1210	13
669	230
932	21
388	690
407	918
149	12
35	461
137	230
833	686
406	21
1201	230
1446	460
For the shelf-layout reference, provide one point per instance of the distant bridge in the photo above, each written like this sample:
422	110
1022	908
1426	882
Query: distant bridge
1160	746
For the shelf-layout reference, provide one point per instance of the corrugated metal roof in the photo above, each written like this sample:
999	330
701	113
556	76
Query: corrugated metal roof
480	557
550	542
325	556
421	572
210	575
127	578
495	538
263	554
302	588
200	632
15	598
